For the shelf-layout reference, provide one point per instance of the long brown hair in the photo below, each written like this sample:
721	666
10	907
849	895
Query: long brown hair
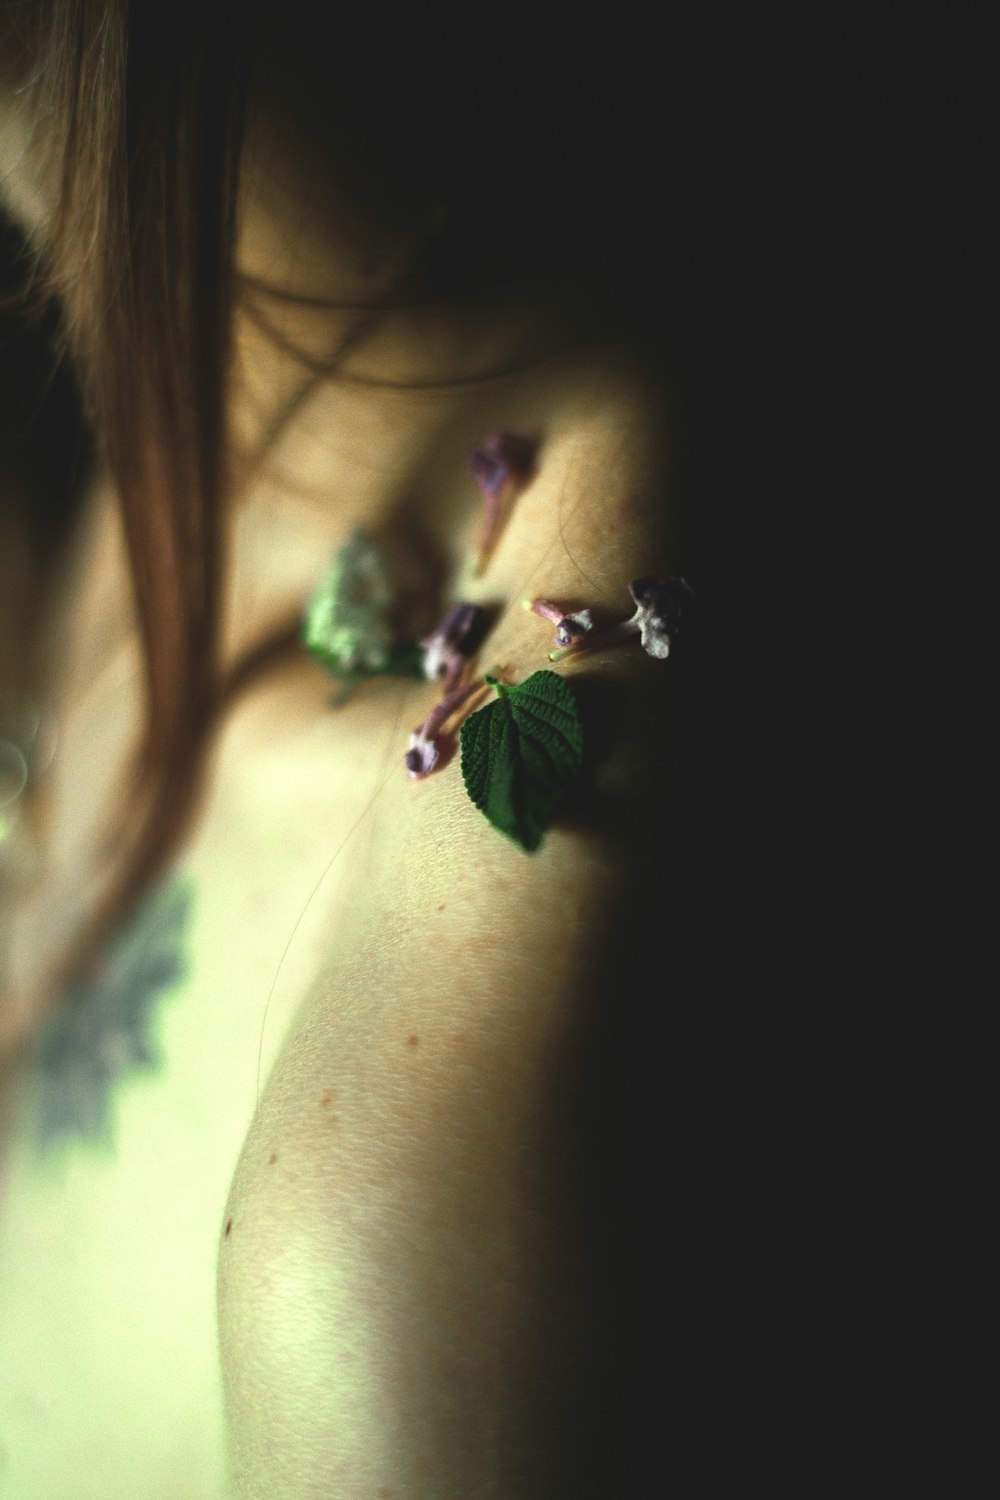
136	124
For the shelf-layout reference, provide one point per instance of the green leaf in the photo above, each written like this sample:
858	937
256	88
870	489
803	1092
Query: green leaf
520	753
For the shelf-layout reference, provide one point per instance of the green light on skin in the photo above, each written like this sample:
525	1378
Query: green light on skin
13	780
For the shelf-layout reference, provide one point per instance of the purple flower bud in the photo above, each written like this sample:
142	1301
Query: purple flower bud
488	472
424	752
503	464
503	456
443	656
572	629
544	608
663	608
421	757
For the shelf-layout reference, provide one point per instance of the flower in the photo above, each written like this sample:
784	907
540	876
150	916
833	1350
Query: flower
661	607
443	656
424	750
500	468
571	630
503	456
422	756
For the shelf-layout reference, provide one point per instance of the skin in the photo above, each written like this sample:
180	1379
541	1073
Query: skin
412	1295
416	1256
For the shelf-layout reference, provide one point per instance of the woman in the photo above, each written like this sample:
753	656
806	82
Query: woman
337	1037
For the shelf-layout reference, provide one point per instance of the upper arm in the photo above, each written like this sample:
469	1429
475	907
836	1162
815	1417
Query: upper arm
419	1282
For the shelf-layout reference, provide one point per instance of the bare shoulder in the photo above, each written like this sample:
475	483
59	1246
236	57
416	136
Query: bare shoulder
418	1273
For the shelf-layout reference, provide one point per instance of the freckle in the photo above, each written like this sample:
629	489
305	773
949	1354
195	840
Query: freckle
413	1041
326	1101
229	1227
441	907
272	1158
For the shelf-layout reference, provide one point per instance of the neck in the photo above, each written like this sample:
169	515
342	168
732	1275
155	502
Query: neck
347	418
